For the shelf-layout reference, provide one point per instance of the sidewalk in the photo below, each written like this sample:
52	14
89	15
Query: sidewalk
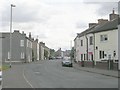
98	71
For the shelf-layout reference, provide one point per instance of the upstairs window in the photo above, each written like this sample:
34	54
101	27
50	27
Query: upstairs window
81	42
103	38
91	40
22	43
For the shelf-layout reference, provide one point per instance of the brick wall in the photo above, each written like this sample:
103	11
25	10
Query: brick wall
99	65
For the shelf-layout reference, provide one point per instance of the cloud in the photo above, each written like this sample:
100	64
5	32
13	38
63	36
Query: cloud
107	7
55	22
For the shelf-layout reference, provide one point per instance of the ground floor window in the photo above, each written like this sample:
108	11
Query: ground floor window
101	54
81	57
8	55
92	57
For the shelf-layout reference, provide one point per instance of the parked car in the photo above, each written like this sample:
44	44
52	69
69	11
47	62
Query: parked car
67	63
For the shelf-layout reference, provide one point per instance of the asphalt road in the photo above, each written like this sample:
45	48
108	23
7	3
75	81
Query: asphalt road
51	74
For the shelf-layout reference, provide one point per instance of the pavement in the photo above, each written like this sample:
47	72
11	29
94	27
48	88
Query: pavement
14	77
111	73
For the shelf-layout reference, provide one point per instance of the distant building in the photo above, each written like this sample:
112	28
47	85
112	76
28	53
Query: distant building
59	53
44	51
35	48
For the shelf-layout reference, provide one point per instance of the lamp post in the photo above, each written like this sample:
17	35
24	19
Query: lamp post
71	49
11	32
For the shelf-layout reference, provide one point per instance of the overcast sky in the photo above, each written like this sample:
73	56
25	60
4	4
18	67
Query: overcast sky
55	22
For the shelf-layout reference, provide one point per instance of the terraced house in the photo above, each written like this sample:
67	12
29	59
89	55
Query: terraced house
21	50
98	45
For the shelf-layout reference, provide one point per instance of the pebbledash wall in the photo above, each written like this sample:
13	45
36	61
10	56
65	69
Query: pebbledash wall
119	36
21	47
119	45
1	49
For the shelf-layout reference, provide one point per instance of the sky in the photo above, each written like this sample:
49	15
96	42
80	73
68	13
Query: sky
54	22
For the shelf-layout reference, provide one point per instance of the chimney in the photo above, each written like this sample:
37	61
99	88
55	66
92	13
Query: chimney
92	24
29	34
36	40
16	31
102	21
42	43
23	33
113	15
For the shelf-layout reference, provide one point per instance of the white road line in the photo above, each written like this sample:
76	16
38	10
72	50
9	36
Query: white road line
27	80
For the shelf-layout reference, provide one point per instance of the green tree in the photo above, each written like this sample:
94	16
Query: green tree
72	53
52	53
32	55
46	54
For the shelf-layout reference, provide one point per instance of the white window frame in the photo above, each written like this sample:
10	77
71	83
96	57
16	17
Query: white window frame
91	40
22	43
8	55
103	38
22	55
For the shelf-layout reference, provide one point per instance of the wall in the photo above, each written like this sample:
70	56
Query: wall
108	46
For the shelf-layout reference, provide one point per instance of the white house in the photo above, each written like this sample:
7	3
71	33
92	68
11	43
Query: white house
76	47
119	44
84	45
99	42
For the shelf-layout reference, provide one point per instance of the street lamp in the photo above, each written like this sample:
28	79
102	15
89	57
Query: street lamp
11	31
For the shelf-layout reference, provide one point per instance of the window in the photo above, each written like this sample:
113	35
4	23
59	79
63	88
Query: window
22	55
81	57
91	40
8	55
84	57
92	57
21	43
81	42
101	54
103	37
29	44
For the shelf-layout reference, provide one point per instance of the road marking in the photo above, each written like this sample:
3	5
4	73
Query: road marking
27	80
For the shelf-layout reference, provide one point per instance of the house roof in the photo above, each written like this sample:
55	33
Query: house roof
86	31
110	25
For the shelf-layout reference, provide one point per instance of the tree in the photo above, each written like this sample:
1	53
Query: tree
72	53
32	55
45	53
52	53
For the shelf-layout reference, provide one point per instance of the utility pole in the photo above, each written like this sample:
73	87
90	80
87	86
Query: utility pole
11	33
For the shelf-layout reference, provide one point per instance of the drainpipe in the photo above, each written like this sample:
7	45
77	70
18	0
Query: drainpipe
87	46
94	63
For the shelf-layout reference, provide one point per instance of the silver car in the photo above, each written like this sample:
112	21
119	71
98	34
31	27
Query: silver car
67	63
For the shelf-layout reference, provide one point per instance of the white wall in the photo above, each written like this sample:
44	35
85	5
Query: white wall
90	47
37	51
1	50
76	46
109	46
119	45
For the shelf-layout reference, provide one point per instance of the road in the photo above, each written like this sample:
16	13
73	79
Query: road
51	74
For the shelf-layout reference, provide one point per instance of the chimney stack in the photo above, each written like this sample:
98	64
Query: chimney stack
102	21
29	34
36	40
16	31
92	24
113	16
